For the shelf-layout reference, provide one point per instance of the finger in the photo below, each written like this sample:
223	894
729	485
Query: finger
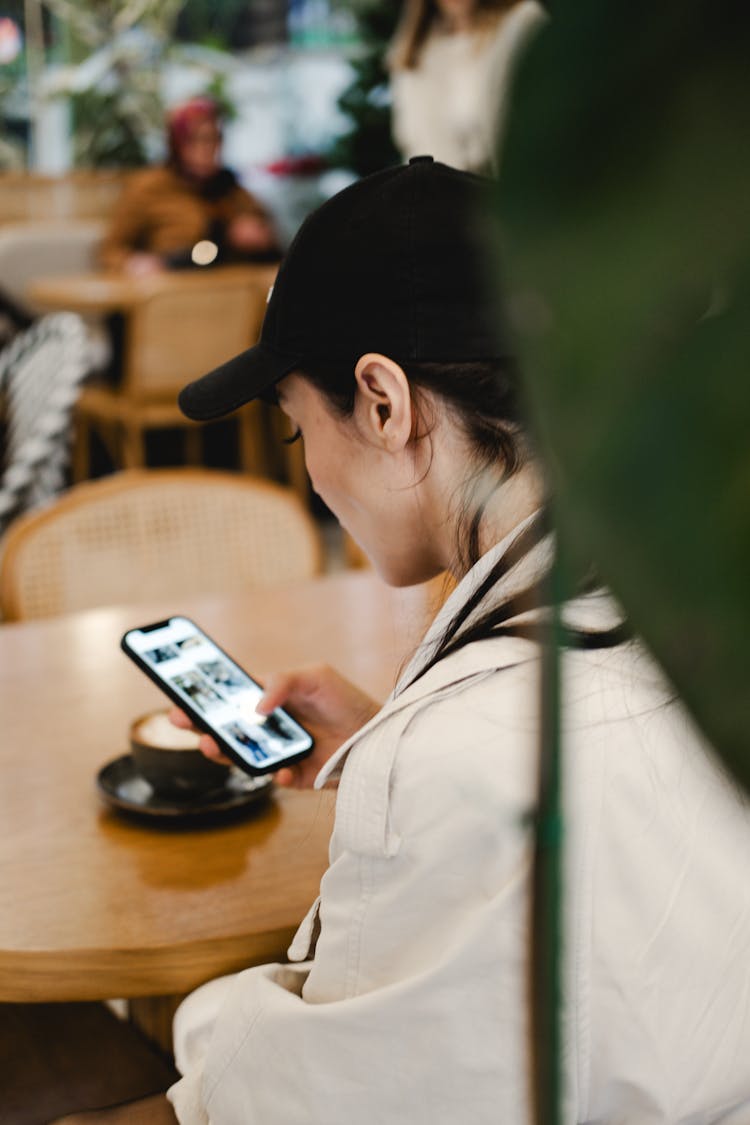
278	690
285	778
289	686
212	751
178	718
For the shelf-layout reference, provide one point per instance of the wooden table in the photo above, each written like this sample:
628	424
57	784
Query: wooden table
100	293
93	906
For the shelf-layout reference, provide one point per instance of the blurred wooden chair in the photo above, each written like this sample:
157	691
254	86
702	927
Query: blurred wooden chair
89	193
45	249
155	534
80	194
174	335
41	371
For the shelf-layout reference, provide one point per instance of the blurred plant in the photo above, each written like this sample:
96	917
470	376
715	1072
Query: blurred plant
11	154
217	89
626	234
368	145
11	70
205	21
96	23
624	199
115	87
11	150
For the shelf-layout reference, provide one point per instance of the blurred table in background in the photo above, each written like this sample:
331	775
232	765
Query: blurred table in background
102	292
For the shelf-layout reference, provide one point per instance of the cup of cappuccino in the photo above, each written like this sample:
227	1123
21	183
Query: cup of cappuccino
169	759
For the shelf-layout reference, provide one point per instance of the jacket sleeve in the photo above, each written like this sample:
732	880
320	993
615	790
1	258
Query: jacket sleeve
413	1009
126	225
241	202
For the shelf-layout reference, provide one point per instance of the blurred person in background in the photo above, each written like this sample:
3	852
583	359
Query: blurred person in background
451	63
165	211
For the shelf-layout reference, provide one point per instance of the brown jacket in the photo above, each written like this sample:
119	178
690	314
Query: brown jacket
160	212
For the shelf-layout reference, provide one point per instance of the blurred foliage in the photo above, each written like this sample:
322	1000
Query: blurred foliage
626	233
12	139
96	23
115	84
108	134
10	151
205	21
232	24
218	89
368	146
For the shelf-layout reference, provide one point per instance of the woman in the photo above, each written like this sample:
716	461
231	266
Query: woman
164	212
405	996
451	64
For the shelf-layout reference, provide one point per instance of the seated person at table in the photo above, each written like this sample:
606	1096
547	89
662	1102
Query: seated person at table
164	212
406	997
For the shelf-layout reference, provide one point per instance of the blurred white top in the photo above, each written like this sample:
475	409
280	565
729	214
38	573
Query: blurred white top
452	105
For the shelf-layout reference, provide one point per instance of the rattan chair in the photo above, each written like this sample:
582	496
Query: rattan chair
174	335
155	534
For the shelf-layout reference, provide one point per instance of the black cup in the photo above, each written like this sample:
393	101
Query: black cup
169	759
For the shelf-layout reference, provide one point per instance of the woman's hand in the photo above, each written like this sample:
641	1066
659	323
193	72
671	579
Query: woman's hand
249	233
324	702
143	265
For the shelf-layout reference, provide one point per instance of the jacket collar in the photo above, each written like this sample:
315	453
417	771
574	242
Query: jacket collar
594	611
474	658
527	570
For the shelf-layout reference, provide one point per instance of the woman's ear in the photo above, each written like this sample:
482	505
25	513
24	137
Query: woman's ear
384	402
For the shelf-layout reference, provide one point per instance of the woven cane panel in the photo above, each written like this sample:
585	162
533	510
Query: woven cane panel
178	336
165	541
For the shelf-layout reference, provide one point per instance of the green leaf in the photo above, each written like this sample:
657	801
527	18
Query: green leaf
624	204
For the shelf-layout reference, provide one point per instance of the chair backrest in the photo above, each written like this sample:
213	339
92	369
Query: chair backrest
155	534
41	371
89	193
80	194
45	249
179	333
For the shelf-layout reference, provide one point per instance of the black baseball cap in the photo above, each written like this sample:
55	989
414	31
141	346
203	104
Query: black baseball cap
394	263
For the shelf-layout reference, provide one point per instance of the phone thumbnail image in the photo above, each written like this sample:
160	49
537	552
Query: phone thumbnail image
221	675
280	727
243	736
197	689
159	655
193	641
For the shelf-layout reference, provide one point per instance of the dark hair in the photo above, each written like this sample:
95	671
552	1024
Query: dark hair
487	399
484	396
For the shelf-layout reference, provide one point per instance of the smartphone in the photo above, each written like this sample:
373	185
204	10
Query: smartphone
217	694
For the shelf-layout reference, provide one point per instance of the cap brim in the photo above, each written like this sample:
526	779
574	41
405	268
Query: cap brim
251	374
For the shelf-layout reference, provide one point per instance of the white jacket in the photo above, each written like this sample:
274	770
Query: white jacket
410	1007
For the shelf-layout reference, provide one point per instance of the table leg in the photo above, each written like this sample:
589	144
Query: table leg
153	1016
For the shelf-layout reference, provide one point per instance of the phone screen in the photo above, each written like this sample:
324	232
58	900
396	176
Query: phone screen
198	673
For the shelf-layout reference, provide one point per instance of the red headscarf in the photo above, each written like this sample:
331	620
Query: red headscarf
182	121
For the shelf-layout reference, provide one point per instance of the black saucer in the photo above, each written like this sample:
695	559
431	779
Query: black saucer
126	791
